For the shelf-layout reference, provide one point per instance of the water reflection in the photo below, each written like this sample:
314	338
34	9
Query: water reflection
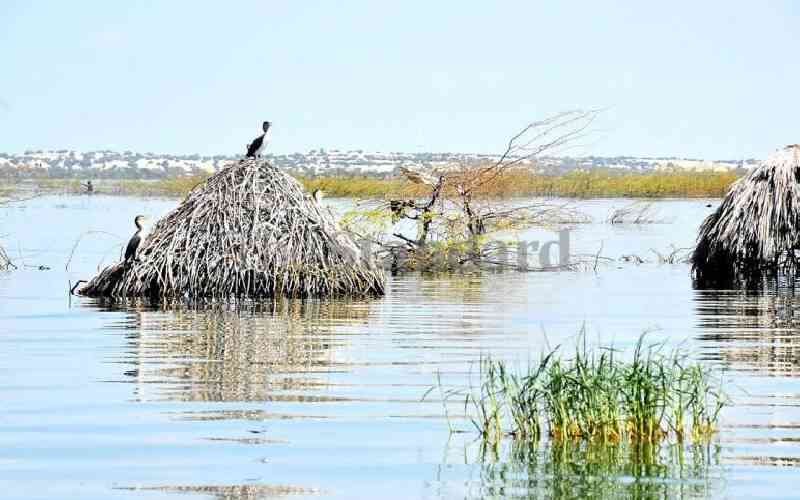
598	470
751	331
754	335
246	352
294	398
235	492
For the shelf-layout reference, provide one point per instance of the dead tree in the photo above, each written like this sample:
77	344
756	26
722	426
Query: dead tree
459	208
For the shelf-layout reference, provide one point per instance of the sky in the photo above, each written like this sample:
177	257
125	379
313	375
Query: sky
713	79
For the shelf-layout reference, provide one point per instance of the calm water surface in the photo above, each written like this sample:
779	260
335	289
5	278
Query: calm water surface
323	399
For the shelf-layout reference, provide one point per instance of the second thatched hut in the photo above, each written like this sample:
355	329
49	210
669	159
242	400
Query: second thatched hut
755	232
248	231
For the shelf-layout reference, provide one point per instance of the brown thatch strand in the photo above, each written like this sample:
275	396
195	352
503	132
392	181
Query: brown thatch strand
755	231
248	231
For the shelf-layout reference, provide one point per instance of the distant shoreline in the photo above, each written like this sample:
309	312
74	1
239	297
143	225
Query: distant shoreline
322	162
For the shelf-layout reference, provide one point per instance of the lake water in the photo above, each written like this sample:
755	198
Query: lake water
323	399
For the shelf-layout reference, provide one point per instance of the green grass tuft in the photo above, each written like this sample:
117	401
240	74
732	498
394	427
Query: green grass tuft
596	396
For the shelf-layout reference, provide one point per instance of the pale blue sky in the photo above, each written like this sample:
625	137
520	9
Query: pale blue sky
693	79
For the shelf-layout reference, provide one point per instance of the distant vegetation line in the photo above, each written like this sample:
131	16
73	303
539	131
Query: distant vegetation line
573	185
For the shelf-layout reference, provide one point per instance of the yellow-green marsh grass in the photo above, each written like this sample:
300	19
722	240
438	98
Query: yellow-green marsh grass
594	184
600	183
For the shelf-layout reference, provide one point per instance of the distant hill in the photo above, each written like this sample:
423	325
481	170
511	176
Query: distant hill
321	162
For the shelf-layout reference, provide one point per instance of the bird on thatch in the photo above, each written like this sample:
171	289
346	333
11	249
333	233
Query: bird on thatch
276	243
316	195
136	239
258	145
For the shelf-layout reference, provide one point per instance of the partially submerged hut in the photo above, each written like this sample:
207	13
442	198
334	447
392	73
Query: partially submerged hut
755	232
248	231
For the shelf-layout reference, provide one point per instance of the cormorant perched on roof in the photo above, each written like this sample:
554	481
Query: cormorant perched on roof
136	239
259	143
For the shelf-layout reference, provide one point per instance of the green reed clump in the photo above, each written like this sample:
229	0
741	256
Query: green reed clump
595	395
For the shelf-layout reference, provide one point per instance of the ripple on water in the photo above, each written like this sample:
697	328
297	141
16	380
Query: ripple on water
325	398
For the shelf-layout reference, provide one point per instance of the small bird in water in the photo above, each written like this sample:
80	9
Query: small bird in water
316	195
136	239
258	145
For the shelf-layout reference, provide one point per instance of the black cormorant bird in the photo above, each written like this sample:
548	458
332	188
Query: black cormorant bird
136	239
259	143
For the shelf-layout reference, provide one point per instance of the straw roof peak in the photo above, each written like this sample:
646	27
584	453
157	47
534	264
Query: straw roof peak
756	229
252	231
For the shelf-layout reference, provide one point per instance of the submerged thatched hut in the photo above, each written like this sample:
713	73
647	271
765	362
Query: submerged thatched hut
248	231
755	232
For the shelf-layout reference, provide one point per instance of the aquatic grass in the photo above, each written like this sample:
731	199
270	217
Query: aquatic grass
489	407
596	396
172	187
517	183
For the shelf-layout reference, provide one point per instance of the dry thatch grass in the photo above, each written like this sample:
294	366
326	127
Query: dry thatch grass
756	229
248	231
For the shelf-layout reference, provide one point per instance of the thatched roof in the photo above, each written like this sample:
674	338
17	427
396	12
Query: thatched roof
248	231
756	229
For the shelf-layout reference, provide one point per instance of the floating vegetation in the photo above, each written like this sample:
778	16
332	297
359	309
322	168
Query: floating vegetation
596	395
249	231
755	232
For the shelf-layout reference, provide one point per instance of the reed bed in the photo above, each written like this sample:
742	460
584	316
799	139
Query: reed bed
248	231
755	231
595	396
172	187
598	183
